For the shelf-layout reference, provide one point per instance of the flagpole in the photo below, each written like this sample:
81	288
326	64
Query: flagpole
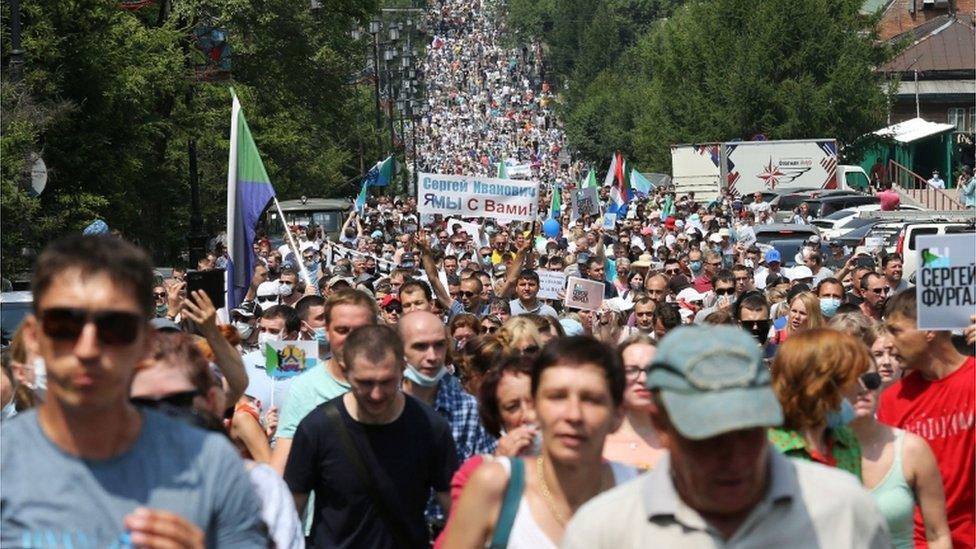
291	243
230	290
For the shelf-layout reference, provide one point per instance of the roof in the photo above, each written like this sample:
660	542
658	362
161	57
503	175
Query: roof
937	87
871	7
913	130
949	45
314	204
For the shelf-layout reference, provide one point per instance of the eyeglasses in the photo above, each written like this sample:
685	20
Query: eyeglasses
632	373
114	327
489	328
464	293
672	271
724	291
871	381
394	309
159	295
879	291
266	298
182	399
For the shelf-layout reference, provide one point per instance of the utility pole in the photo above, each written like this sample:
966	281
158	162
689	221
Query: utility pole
16	53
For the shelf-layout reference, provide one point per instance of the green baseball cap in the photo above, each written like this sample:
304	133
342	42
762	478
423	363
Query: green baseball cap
712	380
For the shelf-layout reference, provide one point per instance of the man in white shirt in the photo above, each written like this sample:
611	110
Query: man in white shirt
936	181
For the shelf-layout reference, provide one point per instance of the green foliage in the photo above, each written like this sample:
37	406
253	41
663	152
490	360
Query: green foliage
110	101
640	75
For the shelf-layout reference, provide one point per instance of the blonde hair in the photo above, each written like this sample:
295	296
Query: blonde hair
518	329
858	325
811	303
809	371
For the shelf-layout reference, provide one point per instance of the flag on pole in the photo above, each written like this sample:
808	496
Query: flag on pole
361	198
249	191
384	172
591	179
612	172
620	189
640	184
557	202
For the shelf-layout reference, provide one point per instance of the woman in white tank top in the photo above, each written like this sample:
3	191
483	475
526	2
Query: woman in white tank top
577	389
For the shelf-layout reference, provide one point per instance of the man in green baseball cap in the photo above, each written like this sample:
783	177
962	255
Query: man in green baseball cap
722	483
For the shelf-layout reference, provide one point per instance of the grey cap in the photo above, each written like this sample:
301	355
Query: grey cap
712	381
162	324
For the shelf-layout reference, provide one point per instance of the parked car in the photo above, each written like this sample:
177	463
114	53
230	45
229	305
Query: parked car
784	231
14	307
824	206
906	244
841	221
786	204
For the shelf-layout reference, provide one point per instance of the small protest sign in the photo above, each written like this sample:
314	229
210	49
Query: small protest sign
874	243
551	283
289	358
946	278
585	202
609	221
746	235
584	294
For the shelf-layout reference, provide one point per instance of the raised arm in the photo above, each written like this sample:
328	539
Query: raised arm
201	311
430	269
511	276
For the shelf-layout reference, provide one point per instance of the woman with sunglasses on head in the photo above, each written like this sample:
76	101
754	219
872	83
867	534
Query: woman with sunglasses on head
816	373
577	389
635	442
490	324
899	470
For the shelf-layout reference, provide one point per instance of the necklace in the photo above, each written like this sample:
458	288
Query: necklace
550	502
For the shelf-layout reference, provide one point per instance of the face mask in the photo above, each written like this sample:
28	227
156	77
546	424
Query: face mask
486	260
829	305
414	375
40	378
320	335
695	266
161	309
839	418
244	329
284	290
265	337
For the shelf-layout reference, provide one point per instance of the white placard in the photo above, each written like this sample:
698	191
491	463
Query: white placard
551	283
874	243
584	294
470	196
289	358
946	290
586	201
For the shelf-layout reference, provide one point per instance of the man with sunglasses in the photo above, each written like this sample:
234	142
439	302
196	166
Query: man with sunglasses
721	482
722	296
874	288
88	468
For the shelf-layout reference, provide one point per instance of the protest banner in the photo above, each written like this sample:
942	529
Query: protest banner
946	279
519	171
473	196
289	358
337	252
551	283
584	294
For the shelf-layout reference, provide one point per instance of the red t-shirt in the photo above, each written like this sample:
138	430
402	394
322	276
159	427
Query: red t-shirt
943	412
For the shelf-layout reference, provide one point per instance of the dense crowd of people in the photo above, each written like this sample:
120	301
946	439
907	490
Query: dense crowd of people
410	383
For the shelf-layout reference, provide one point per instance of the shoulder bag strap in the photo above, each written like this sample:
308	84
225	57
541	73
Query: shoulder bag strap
362	471
510	505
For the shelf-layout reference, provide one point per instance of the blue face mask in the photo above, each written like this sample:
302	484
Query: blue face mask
422	380
695	266
839	418
829	305
320	335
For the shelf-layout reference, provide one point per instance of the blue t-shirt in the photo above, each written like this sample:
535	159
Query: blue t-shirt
54	499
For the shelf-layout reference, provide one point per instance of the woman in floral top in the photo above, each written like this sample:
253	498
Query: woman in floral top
814	373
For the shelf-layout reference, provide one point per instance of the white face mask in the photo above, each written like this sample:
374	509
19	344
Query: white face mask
414	375
284	290
244	329
265	337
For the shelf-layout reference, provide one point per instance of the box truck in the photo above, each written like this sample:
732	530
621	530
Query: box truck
744	167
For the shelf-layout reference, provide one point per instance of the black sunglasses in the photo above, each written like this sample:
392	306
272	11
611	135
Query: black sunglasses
182	399
467	294
724	291
394	309
114	327
159	295
266	298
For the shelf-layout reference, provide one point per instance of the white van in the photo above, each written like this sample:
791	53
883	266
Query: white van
907	240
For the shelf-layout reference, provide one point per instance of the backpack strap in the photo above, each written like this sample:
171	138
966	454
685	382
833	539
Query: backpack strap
358	463
510	505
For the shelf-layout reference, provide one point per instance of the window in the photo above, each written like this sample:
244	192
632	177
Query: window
957	117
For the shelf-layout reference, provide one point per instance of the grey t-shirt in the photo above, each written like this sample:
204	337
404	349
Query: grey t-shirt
53	499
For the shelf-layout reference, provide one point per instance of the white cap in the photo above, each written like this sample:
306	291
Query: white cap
691	294
715	237
268	288
799	273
